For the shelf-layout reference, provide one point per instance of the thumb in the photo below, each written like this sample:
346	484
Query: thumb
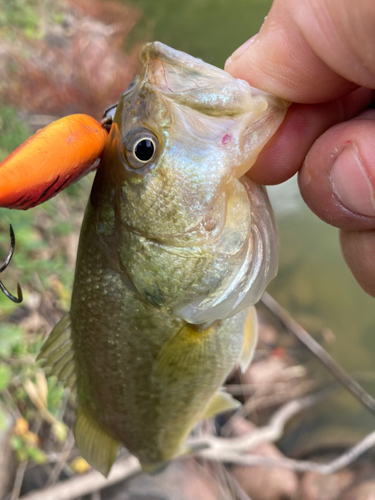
310	51
337	179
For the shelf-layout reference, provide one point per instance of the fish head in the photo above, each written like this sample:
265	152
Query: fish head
192	237
183	131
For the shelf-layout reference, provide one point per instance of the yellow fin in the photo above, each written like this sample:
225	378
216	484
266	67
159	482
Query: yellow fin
57	353
182	353
97	447
220	402
250	339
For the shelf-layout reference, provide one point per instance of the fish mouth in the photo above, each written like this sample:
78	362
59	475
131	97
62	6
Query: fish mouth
170	70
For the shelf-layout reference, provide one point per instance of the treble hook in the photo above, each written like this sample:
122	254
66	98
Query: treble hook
18	299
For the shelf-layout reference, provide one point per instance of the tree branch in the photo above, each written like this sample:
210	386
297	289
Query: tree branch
209	445
83	485
298	465
321	354
234	450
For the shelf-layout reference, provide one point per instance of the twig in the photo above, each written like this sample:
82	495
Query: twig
298	465
18	481
56	456
291	372
232	450
65	453
235	486
269	433
37	400
84	485
321	354
278	397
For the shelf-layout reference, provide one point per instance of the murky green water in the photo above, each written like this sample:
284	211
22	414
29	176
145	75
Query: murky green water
316	286
209	29
314	283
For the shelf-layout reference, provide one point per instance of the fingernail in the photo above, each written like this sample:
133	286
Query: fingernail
351	183
236	54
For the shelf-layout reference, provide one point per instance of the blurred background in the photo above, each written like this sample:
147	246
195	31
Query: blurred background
59	57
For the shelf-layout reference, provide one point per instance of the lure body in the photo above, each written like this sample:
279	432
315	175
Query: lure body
50	160
175	248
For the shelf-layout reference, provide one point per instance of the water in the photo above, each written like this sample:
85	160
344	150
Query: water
318	289
313	283
209	29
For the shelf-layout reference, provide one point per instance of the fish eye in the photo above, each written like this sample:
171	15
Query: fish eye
144	150
140	147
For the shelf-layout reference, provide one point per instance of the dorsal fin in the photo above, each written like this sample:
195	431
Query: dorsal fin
57	354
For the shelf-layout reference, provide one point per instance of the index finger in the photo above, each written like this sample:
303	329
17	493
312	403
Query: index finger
310	51
284	154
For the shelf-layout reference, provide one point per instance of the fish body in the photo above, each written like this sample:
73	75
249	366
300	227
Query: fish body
175	248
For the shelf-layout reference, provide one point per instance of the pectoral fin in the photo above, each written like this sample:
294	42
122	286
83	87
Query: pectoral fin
220	402
250	339
57	354
183	354
97	447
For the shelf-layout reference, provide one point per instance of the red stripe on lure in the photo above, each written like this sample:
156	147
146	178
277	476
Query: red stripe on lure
51	160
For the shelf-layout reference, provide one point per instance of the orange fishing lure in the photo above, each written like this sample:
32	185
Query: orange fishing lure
49	161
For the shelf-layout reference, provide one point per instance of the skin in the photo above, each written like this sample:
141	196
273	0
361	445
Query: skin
319	54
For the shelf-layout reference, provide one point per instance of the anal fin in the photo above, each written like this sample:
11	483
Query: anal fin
220	402
250	339
97	447
57	353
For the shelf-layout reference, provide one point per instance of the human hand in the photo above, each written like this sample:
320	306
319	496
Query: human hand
320	54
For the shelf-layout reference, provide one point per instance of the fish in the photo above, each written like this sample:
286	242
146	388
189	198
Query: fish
176	246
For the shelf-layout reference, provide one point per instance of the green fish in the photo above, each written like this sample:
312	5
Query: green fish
175	248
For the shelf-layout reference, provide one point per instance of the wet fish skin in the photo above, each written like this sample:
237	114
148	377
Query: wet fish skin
172	254
149	385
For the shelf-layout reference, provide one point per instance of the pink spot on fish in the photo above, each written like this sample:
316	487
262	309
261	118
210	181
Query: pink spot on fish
226	138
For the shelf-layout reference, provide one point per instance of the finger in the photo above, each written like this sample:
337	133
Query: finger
358	248
337	180
283	156
311	51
